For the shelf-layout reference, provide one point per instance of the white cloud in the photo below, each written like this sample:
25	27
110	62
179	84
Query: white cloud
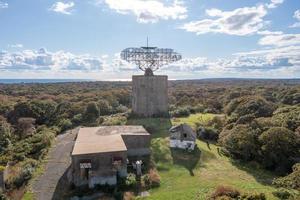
42	59
297	17
269	32
241	21
15	45
280	40
149	11
63	8
274	3
3	5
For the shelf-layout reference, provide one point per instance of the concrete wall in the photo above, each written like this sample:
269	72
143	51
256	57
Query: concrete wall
182	144
137	145
102	168
150	95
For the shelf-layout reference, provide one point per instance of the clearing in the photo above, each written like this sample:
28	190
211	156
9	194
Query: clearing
195	175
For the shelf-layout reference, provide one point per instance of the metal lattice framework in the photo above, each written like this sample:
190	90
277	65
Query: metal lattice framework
150	59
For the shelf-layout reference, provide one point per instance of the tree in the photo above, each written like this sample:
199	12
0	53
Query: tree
22	109
104	107
5	134
91	113
240	141
279	146
42	110
250	105
26	126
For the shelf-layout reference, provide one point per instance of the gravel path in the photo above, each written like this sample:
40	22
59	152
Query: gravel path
51	183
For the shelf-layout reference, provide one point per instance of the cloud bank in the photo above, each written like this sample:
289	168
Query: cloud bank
41	60
241	21
150	11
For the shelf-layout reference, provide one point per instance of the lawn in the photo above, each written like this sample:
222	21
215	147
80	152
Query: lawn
194	175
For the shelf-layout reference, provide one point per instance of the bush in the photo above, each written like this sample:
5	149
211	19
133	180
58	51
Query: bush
282	194
154	178
291	181
241	142
180	112
250	105
131	180
279	146
208	134
224	191
253	196
2	195
65	124
22	173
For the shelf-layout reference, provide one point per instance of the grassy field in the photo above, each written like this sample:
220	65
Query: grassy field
194	175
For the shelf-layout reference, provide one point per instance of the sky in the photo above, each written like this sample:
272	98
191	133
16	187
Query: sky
78	39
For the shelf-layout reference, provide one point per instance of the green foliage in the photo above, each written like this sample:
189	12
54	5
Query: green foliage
23	173
224	191
229	193
65	124
5	134
241	141
91	113
131	180
105	108
181	112
278	147
2	195
256	106
288	116
291	181
283	194
33	147
77	119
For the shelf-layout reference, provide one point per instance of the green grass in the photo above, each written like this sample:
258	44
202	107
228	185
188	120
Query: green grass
28	196
194	175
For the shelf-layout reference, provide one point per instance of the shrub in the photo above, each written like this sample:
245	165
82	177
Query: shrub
224	191
282	193
65	124
240	141
279	146
208	134
2	195
250	105
253	196
291	181
131	180
180	112
154	178
22	173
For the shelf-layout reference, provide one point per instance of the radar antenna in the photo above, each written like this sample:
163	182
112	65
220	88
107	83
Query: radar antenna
150	59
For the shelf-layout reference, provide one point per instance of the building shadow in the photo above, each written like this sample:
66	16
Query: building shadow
62	187
188	160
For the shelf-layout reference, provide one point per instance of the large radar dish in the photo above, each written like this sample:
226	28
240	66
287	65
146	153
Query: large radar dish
150	59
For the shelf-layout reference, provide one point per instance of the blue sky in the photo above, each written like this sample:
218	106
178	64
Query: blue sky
83	39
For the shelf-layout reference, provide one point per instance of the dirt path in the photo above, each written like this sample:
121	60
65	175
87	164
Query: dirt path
51	183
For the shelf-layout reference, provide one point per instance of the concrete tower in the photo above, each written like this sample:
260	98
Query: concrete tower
149	91
150	96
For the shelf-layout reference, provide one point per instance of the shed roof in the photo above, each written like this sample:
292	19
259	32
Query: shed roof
103	139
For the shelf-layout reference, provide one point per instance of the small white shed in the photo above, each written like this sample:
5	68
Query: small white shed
182	136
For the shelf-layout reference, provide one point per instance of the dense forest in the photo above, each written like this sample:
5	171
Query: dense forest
259	120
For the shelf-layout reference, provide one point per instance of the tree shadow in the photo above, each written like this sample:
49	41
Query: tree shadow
261	175
188	160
